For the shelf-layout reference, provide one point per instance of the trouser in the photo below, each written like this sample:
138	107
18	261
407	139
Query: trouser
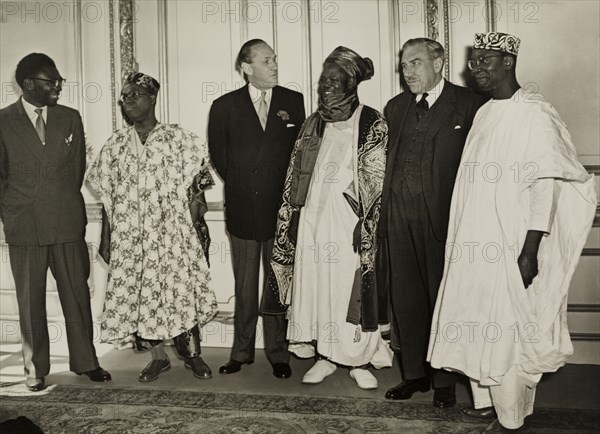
417	265
187	343
247	256
70	266
512	398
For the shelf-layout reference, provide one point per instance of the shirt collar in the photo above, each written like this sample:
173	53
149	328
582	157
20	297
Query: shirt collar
433	94
256	93
30	110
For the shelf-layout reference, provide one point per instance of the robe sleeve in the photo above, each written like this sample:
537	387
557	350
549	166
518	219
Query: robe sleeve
542	204
102	173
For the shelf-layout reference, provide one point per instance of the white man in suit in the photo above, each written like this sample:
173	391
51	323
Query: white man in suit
428	125
42	162
251	133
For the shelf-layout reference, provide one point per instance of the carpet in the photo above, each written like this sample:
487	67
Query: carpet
98	410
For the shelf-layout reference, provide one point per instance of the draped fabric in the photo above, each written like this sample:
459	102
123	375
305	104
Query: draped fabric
196	197
485	321
370	162
158	282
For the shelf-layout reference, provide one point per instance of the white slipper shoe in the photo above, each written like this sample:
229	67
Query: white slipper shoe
319	371
364	379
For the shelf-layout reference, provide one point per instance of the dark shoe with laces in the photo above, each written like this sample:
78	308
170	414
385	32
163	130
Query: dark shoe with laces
407	388
199	367
487	413
282	370
153	369
444	397
233	366
35	384
98	375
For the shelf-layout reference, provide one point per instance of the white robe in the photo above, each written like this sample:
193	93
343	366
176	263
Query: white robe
325	263
485	321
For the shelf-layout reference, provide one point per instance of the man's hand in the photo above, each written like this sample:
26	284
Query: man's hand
527	261
528	266
356	236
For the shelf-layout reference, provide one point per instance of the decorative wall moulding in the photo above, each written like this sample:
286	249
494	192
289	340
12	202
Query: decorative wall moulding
127	42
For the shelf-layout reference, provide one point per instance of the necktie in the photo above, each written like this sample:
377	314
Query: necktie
40	126
263	111
422	106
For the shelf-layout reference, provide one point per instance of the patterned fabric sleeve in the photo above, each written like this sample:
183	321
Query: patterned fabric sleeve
101	174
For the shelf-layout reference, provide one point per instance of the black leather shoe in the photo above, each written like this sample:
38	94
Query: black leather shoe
153	369
407	388
199	367
487	413
98	374
35	384
444	397
282	370
233	366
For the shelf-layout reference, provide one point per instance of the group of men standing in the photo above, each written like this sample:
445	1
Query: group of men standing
428	197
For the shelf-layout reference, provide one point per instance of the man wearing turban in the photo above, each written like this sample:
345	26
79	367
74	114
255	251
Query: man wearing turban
521	211
323	264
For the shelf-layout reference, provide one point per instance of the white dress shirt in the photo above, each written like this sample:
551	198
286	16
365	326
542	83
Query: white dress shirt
30	110
433	94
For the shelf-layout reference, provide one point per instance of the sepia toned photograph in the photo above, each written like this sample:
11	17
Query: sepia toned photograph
299	216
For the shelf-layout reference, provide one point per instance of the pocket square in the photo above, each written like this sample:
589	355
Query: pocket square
290	125
457	127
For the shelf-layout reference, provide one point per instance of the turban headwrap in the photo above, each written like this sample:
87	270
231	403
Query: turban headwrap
144	81
358	68
498	42
334	108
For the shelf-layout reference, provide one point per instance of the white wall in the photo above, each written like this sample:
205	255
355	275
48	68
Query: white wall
190	46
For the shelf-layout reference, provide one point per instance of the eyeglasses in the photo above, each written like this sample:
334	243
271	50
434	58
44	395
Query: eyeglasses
481	60
127	97
56	82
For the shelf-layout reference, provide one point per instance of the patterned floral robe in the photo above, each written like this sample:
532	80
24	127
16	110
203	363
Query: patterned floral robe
158	283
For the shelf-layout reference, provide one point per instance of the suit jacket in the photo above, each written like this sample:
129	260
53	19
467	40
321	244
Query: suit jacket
253	162
444	142
40	185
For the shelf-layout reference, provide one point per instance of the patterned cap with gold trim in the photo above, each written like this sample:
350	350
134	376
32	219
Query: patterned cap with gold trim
498	42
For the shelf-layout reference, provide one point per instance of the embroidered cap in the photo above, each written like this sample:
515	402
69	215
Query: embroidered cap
143	80
498	42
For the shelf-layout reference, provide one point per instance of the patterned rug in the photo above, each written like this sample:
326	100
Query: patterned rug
98	410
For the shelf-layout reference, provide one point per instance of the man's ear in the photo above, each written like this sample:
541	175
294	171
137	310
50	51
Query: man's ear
28	84
438	64
509	62
246	68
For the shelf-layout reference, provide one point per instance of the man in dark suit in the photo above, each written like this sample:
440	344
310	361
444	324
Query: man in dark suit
251	133
42	163
427	131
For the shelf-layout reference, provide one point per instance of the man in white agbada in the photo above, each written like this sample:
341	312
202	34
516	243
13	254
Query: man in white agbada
521	211
323	263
